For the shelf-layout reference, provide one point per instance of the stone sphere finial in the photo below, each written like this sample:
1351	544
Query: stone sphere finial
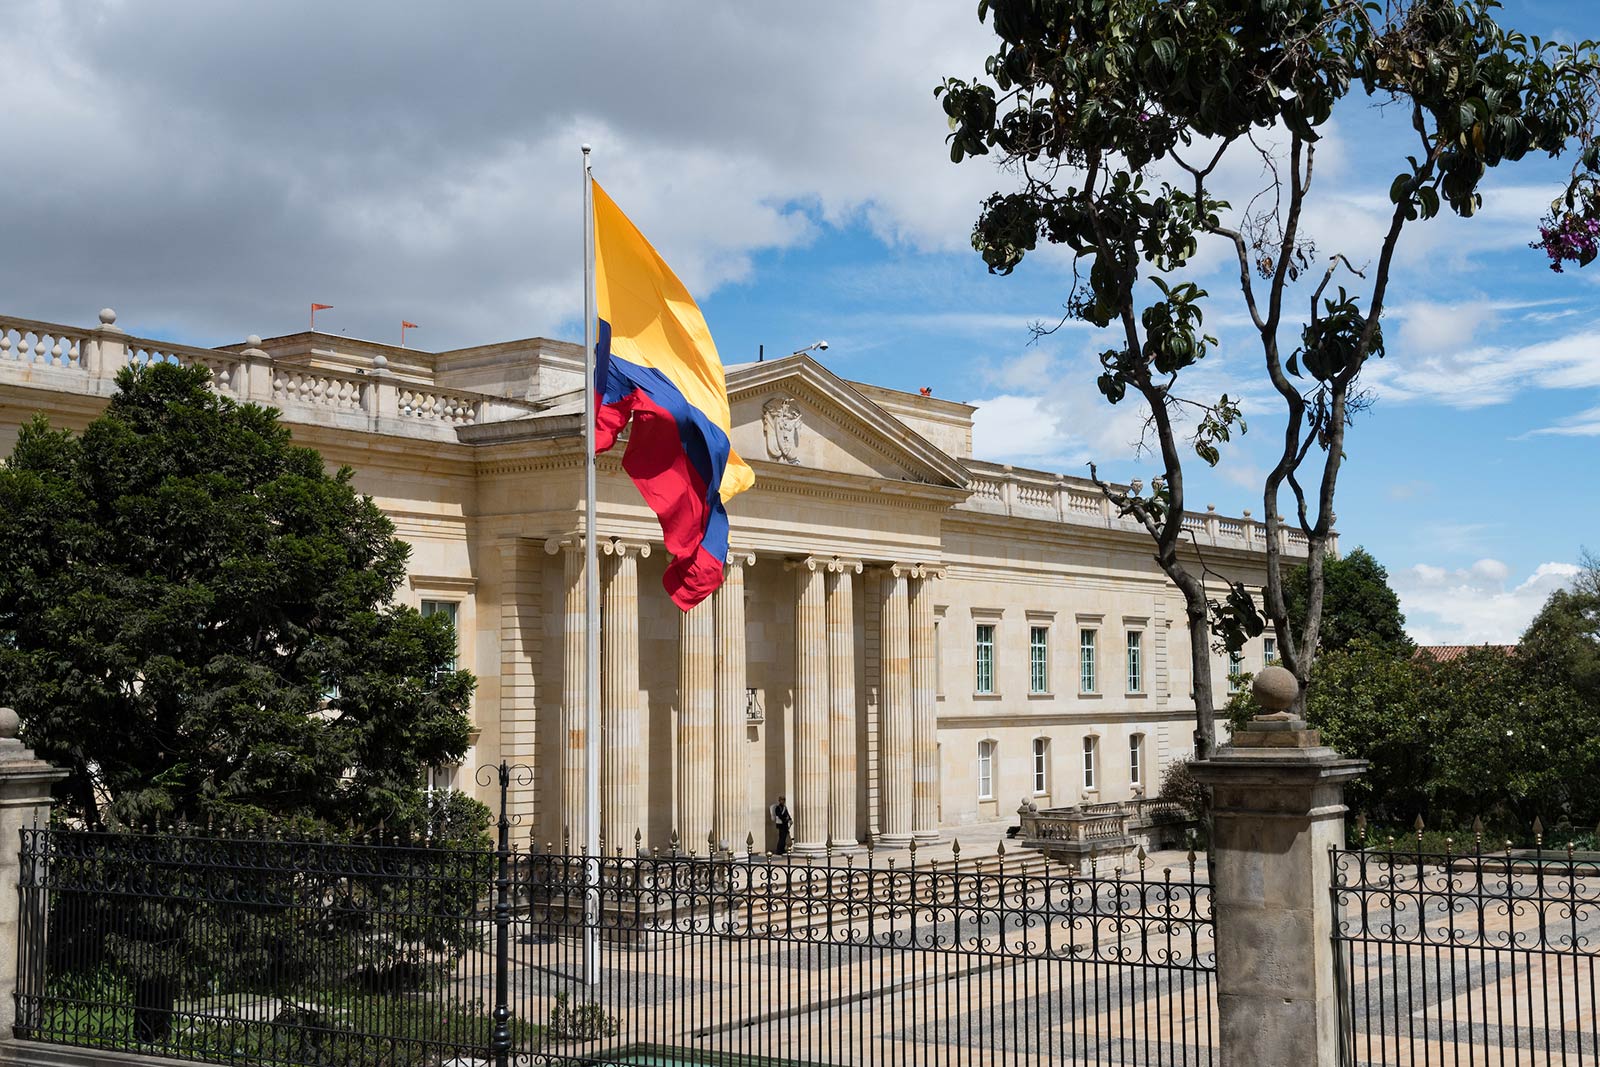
108	317
380	361
1275	688
9	723
254	341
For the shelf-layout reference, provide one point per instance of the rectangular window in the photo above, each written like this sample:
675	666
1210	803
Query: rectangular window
1089	745
1086	680
985	770
450	609
1039	659
1136	759
1041	765
1235	669
1135	661
984	681
1269	650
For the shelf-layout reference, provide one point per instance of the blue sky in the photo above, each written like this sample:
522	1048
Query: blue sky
401	160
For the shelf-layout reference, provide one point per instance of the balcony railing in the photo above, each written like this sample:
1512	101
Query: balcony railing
53	355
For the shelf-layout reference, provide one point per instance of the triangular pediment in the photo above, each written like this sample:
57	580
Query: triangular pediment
794	412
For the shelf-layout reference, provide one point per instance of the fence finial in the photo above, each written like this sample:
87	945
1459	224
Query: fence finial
1538	832
749	842
955	850
672	841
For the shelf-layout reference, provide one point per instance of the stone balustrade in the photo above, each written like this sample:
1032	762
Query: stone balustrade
49	355
1002	489
1091	833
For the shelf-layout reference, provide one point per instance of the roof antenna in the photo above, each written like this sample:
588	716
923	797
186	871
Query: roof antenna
761	353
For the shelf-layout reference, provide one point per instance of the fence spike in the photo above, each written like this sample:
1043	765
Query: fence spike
1191	864
672	841
1361	828
749	842
1000	850
1142	858
955	849
1538	832
913	847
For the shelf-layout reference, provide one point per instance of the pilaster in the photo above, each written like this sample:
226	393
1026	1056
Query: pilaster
924	709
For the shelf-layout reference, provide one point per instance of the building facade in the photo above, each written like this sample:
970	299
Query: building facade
909	638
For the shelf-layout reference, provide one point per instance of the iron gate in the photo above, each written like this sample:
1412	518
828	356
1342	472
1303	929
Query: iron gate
265	950
1468	958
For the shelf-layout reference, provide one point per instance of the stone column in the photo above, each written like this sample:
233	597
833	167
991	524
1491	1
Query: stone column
842	703
621	786
729	807
896	777
1278	807
810	800
573	722
25	783
697	701
924	711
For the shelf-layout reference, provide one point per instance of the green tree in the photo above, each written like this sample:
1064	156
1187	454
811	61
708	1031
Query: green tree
1369	702
1518	743
1357	603
197	619
1090	102
1564	638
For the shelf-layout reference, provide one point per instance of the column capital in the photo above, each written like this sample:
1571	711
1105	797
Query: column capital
807	563
571	542
915	570
838	565
617	546
743	556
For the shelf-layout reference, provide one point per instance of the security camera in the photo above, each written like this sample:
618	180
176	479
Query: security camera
822	346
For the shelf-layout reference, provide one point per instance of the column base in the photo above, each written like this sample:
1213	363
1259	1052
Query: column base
893	841
927	837
808	850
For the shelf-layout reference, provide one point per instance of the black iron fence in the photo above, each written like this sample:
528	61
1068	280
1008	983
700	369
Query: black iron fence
245	950
1469	955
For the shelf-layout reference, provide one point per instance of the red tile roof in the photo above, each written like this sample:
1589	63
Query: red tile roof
1446	653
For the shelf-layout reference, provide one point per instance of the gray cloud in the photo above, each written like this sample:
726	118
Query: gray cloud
209	168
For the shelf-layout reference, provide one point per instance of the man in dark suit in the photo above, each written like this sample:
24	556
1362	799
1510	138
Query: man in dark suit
782	820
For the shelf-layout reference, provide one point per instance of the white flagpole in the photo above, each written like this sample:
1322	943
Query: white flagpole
591	608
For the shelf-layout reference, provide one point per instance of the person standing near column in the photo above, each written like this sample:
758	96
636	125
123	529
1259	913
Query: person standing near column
782	820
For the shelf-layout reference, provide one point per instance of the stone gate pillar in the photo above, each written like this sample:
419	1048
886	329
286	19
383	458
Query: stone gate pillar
1277	809
25	783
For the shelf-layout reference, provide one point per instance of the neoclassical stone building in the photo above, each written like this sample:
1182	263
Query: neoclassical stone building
909	638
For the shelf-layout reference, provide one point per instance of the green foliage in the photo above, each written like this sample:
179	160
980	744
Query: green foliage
1357	604
587	1021
334	1028
1178	784
1564	638
1487	735
197	619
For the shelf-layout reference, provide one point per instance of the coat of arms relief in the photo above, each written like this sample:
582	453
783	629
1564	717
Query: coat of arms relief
780	421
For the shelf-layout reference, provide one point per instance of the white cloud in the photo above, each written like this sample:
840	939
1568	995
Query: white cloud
1583	424
1477	604
1484	375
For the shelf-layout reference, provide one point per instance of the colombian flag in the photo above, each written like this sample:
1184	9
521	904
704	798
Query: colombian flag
656	364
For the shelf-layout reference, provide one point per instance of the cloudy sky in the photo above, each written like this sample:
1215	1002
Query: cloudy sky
209	168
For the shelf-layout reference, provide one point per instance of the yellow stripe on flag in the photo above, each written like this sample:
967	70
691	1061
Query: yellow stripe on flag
656	323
